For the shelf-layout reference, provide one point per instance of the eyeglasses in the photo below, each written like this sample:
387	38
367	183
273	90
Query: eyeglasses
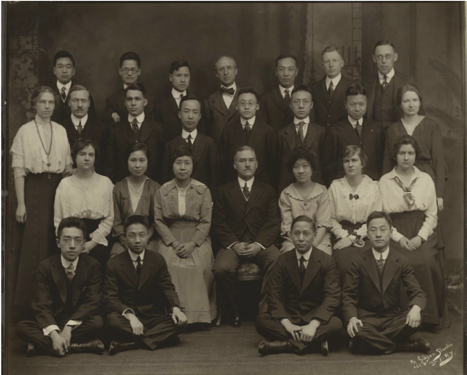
76	101
128	70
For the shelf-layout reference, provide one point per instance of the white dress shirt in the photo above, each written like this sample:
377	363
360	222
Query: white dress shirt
75	120
282	89
139	118
335	81
377	254
176	95
353	122
193	134
306	256
251	122
67	88
389	76
306	120
228	99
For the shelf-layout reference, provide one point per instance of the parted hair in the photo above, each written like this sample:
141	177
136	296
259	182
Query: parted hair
302	218
302	88
384	42
287	56
244	148
179	64
406	88
355	89
301	152
332	48
136	86
75	88
189	97
64	54
71	222
130	56
379	215
352	150
183	150
38	91
82	143
248	90
401	141
135	219
136	146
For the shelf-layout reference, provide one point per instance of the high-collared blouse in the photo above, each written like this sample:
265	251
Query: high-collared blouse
353	210
423	196
198	208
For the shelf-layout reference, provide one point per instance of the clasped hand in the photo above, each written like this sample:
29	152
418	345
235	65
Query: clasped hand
244	249
61	341
301	333
412	244
185	249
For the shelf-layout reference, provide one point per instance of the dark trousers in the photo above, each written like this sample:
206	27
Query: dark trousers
88	330
157	329
226	264
271	329
382	333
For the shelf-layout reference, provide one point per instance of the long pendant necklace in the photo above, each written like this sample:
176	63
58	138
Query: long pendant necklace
42	143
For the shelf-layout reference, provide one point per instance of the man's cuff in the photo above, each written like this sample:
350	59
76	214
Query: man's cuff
128	310
230	246
48	330
262	247
73	324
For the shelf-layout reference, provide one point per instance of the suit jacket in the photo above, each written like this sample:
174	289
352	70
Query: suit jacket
51	291
205	160
314	140
217	115
151	294
342	134
317	298
274	110
263	139
116	103
233	215
62	109
363	295
121	136
327	111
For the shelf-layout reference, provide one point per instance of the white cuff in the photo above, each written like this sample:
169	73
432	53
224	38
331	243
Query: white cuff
48	330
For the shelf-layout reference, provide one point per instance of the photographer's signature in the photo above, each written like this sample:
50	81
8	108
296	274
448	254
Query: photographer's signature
439	357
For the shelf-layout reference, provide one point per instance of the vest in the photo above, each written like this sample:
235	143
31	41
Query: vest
384	110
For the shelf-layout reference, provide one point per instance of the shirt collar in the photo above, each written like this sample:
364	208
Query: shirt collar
417	173
334	80
248	183
76	120
193	134
139	118
134	256
389	75
283	90
251	121
66	263
60	85
306	120
176	94
377	254
353	122
125	86
306	255
233	86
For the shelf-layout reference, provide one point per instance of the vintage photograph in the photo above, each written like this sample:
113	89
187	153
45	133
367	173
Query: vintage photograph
233	187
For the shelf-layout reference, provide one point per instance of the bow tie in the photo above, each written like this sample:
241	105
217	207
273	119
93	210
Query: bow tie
229	91
353	196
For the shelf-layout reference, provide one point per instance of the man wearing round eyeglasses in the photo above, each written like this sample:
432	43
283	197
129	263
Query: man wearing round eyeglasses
130	70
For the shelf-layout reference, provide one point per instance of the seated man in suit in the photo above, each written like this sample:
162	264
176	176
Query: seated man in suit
130	70
328	93
80	125
221	106
371	300
246	223
249	130
64	70
303	295
301	132
275	104
137	292
67	298
136	126
354	130
205	157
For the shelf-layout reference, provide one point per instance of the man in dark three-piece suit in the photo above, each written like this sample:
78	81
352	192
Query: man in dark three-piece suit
303	294
329	92
67	299
371	298
135	127
301	132
249	130
64	70
275	104
246	223
204	151
139	295
354	130
221	106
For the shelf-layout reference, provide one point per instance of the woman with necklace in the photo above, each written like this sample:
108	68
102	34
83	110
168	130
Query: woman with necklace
40	157
305	197
353	198
409	196
134	195
183	211
88	196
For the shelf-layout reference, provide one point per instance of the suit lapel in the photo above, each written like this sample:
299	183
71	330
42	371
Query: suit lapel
145	131
238	133
292	267
78	280
390	269
277	97
349	133
370	266
311	134
255	193
173	107
148	265
198	147
237	194
255	135
290	136
367	134
129	269
314	264
339	92
127	132
219	104
233	106
58	274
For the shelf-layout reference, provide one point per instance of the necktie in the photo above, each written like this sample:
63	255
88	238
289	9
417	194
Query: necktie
188	140
246	191
139	266
229	91
70	272
287	97
134	125
179	100
380	264
408	196
300	130
358	129
247	130
301	268
385	82
331	89
80	128
63	94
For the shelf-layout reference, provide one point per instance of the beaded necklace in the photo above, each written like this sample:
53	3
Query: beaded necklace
42	143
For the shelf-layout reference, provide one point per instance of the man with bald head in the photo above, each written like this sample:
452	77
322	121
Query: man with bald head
221	106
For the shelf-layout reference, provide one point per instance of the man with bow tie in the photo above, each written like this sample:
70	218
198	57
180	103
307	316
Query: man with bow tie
221	106
303	294
67	299
378	320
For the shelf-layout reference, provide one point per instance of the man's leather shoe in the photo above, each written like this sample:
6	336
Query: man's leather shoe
236	322
275	347
95	346
116	347
324	349
422	346
31	350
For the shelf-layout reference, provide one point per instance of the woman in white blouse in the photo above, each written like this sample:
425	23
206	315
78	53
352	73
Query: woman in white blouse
40	156
353	198
183	210
88	196
305	197
409	196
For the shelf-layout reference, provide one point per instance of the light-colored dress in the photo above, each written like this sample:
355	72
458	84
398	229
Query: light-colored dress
184	215
316	206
